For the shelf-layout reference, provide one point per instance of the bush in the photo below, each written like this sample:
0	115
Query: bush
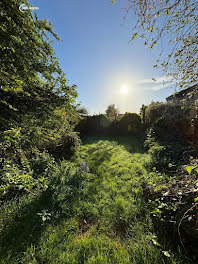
15	180
22	167
130	123
93	125
170	112
65	146
169	152
154	111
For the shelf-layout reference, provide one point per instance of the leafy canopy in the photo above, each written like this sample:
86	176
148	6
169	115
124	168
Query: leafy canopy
30	76
112	111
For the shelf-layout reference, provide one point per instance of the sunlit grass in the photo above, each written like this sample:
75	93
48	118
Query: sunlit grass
105	220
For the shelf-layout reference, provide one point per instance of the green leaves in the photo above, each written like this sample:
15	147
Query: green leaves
45	215
135	35
189	169
156	211
156	243
31	78
166	253
175	22
35	100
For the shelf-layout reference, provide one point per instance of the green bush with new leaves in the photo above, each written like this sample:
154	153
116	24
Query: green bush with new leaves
37	106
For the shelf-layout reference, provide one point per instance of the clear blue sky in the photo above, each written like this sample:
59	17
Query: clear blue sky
97	56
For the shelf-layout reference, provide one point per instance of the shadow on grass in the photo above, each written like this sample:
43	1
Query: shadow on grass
131	143
26	229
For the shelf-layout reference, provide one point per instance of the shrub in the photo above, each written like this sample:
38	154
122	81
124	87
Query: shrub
42	164
65	146
169	112
93	125
15	180
22	167
130	123
153	112
170	151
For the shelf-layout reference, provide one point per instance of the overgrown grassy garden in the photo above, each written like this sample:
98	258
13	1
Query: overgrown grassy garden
106	188
93	211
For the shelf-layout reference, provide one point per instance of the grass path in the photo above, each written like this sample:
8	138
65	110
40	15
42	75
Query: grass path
104	218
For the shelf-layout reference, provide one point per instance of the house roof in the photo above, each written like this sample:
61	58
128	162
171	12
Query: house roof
182	93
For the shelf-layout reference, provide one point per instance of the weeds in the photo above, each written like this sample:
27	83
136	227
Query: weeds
94	212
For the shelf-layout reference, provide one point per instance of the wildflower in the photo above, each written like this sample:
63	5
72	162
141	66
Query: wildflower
83	167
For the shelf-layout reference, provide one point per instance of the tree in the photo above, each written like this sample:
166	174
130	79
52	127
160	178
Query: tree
172	23
143	114
82	110
112	111
37	111
31	80
34	91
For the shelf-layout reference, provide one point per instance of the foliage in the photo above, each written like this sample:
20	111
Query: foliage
21	169
174	207
167	126
94	211
154	111
112	112
165	116
158	154
173	24
82	110
169	151
37	112
93	125
130	123
143	114
31	79
23	166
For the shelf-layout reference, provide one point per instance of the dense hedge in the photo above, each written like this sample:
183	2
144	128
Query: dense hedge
170	111
166	118
170	133
129	124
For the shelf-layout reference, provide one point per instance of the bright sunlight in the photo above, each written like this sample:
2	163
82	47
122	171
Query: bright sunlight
124	89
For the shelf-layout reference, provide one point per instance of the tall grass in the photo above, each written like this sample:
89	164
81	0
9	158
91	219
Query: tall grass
89	217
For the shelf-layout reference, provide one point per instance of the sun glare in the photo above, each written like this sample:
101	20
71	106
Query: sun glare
124	89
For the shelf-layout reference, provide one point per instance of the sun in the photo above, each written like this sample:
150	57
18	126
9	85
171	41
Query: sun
124	89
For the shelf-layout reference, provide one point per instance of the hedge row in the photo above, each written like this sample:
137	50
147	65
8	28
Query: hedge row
129	124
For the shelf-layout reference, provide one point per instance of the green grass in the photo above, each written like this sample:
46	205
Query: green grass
96	217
